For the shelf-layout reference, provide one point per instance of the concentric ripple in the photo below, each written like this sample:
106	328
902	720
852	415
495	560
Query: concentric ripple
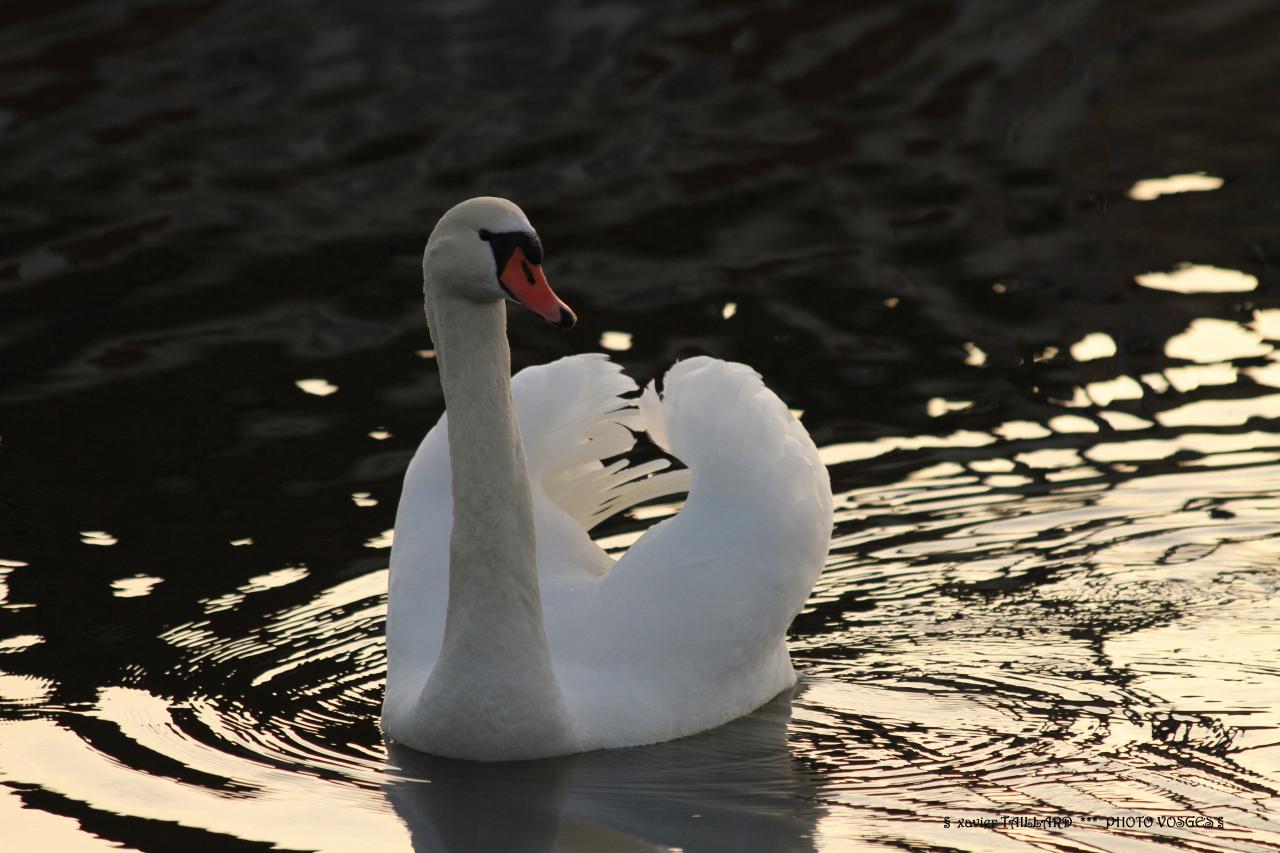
1021	657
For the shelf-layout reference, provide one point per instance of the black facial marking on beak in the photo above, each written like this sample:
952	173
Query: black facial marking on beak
566	320
504	244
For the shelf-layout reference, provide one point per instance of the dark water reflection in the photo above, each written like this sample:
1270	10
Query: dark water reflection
734	788
969	241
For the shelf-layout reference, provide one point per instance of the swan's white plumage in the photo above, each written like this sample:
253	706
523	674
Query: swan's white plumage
687	629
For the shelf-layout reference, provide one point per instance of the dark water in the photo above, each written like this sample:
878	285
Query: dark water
1053	588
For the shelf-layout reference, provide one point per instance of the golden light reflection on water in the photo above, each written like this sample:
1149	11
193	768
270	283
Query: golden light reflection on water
1199	443
1072	424
1266	375
1156	382
1123	421
1013	430
318	387
1079	399
1184	379
1050	458
261	583
1209	340
1046	354
616	341
20	643
1199	278
1106	392
134	586
54	833
836	454
1153	188
382	540
1017	668
1235	412
1266	322
287	809
1093	346
1237	458
277	578
937	406
1189	664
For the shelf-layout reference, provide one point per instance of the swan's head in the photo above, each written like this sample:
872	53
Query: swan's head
485	250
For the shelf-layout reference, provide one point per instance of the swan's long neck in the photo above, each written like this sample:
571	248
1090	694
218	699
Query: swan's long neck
491	549
493	677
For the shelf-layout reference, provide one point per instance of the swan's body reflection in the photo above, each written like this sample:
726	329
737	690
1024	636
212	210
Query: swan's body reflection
732	788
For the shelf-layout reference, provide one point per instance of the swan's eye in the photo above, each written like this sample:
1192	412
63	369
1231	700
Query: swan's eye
485	235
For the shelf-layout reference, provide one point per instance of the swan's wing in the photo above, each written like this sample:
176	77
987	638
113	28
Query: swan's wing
695	613
574	421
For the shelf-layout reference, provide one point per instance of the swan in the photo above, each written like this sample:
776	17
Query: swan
510	634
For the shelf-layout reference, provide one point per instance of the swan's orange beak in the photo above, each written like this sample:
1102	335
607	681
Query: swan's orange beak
527	284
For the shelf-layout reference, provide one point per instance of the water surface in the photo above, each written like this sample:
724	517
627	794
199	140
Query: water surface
1013	263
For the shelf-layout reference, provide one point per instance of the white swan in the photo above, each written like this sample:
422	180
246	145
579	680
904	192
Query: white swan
500	648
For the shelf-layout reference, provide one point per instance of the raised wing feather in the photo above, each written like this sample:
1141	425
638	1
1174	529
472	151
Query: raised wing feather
573	417
700	604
